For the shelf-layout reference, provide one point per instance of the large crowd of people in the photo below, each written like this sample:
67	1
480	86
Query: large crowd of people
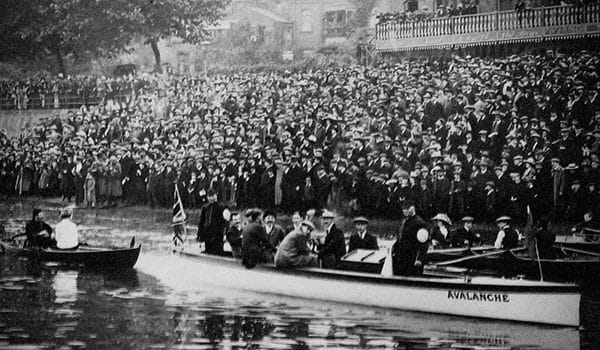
68	91
482	137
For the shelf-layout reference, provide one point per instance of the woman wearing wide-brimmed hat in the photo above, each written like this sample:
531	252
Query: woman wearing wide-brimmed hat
441	231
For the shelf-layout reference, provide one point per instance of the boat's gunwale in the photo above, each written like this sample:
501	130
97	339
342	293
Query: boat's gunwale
420	282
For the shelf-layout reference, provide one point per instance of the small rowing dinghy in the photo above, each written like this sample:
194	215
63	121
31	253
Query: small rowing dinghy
89	256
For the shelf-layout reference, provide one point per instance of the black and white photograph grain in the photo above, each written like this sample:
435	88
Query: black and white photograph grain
300	174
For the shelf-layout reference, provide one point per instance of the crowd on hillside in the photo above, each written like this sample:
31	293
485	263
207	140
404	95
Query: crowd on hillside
463	136
69	91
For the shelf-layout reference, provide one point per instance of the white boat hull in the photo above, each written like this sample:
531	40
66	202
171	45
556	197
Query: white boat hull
483	297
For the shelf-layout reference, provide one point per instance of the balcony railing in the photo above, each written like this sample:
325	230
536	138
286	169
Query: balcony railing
530	24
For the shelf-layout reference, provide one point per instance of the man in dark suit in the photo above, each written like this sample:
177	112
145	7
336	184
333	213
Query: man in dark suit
213	223
334	247
256	247
465	236
361	239
274	231
410	249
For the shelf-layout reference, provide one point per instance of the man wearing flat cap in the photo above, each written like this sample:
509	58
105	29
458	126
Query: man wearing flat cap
410	249
334	247
294	250
361	239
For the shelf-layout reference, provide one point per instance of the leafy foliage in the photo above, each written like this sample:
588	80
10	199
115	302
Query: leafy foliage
98	27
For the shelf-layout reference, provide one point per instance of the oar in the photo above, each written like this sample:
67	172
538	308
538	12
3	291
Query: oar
470	257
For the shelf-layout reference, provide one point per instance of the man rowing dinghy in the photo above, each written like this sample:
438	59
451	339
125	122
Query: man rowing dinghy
38	232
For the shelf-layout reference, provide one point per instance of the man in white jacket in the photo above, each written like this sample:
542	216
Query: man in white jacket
65	232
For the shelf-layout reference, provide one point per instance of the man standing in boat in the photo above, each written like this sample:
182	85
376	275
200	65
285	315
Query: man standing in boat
508	237
37	231
334	247
361	239
214	219
66	231
410	249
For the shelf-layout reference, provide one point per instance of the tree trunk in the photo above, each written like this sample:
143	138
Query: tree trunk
157	64
59	61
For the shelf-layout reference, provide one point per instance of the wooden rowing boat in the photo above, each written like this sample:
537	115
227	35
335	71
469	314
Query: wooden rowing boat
566	265
89	256
587	240
483	297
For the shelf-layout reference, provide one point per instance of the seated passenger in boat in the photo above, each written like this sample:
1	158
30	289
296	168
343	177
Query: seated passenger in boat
38	232
589	223
294	251
508	237
465	236
333	248
66	231
540	242
256	247
234	235
274	231
361	239
440	234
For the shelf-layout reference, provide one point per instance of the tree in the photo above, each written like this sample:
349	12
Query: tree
99	27
62	27
184	19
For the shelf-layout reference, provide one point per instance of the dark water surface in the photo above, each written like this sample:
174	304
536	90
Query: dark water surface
52	307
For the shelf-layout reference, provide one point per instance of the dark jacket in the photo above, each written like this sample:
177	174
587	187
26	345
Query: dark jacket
407	249
211	227
334	247
256	247
369	242
461	238
32	228
276	235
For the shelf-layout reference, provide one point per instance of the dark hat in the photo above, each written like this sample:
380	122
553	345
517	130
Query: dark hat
407	204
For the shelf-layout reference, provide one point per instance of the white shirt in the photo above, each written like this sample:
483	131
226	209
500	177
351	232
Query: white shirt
499	239
66	234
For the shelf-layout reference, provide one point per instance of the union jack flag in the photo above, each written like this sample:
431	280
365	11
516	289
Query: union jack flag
179	220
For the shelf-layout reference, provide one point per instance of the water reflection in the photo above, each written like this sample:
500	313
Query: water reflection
65	286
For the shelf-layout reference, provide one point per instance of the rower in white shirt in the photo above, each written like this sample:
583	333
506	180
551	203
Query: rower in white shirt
65	232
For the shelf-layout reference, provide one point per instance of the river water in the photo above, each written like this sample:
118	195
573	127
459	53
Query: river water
52	307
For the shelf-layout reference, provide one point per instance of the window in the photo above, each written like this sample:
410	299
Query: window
337	21
306	20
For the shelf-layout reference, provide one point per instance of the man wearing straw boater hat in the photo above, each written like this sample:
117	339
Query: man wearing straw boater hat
465	236
507	237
